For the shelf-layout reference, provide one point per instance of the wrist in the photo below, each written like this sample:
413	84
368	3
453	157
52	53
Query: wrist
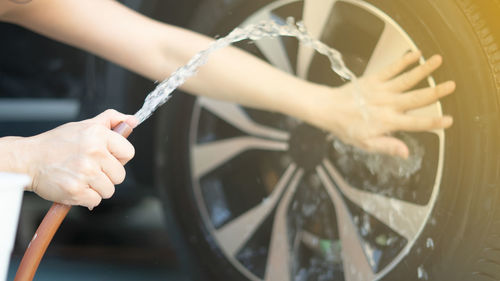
295	99
16	152
321	106
308	102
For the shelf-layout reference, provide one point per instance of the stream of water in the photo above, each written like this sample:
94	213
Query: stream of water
254	32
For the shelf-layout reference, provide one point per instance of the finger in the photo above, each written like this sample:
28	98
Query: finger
110	118
113	169
411	78
398	66
388	145
89	198
120	147
419	124
102	185
423	97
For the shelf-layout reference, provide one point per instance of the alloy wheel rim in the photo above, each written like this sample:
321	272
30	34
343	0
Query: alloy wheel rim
352	206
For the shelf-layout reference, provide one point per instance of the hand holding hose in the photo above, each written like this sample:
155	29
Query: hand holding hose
96	178
78	163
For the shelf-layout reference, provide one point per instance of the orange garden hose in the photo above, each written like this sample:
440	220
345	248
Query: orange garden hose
50	223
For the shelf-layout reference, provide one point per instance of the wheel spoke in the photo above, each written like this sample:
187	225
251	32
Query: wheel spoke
403	217
278	259
272	48
390	47
355	262
315	15
237	232
236	116
209	156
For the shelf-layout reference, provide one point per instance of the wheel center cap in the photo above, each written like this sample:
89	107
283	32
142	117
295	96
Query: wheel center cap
308	146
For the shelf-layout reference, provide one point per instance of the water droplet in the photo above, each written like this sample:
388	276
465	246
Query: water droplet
430	243
422	274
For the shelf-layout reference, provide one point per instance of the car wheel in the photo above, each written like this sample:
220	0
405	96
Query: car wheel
263	196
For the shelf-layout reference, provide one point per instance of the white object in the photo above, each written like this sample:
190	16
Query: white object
11	194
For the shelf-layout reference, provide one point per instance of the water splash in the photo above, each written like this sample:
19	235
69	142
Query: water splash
384	167
264	29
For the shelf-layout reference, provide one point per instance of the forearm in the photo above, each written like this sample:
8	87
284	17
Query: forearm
234	75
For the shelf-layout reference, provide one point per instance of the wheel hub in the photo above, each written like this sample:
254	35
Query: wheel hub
307	146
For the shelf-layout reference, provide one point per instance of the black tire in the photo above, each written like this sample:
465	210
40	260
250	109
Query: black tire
461	236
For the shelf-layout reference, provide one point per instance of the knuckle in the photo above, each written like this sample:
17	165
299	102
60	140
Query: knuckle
91	148
110	111
119	175
125	151
84	165
91	201
78	197
130	152
95	202
416	97
394	69
406	80
389	118
108	192
92	139
412	99
122	175
72	188
94	131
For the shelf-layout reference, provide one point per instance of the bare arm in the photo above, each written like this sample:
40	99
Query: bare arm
155	49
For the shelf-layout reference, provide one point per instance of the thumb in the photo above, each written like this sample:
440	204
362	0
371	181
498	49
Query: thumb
388	145
110	118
